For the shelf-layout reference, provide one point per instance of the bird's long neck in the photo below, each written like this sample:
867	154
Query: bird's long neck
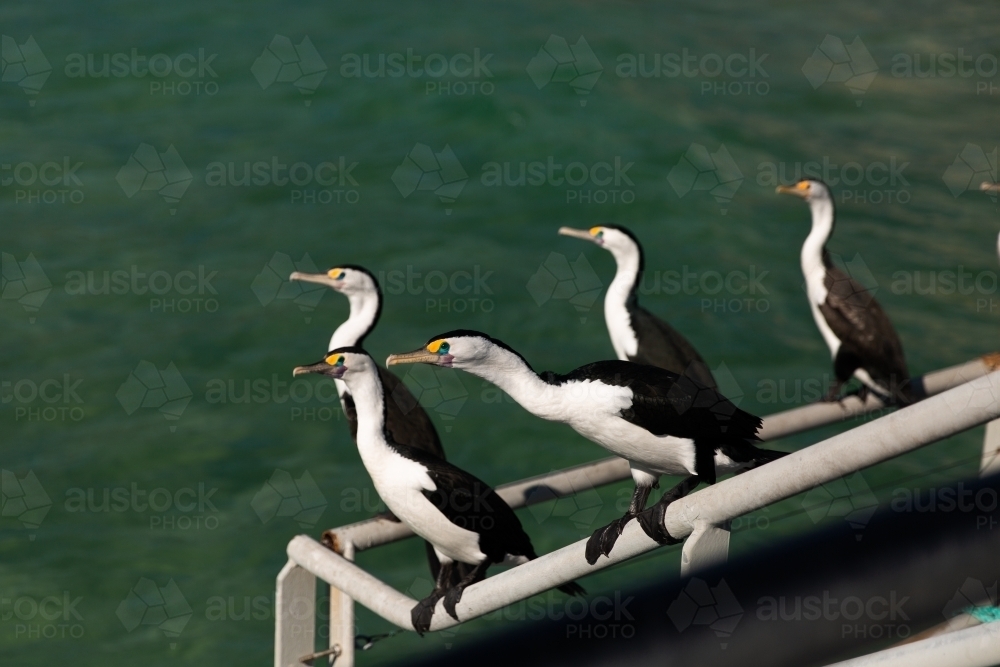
365	310
625	286
814	248
623	295
514	376
369	401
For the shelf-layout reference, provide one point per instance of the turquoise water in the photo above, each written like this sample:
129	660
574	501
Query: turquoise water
181	510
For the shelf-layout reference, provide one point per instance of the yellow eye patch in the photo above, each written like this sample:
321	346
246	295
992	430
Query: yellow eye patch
435	346
802	185
335	273
333	359
594	231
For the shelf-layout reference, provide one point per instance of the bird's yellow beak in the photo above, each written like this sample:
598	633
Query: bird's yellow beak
577	233
329	278
421	356
800	189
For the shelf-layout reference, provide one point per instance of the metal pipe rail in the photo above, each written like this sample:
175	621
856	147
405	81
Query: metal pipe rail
375	532
700	516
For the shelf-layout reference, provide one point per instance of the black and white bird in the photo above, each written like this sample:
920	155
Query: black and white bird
407	421
636	334
662	423
862	340
462	517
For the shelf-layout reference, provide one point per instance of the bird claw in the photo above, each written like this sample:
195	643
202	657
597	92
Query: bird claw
451	599
651	521
422	613
603	540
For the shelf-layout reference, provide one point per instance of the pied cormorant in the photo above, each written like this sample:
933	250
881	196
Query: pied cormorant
636	334
462	517
662	423
407	421
860	336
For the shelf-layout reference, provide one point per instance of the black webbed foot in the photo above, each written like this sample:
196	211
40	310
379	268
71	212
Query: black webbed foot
452	598
651	521
603	540
423	612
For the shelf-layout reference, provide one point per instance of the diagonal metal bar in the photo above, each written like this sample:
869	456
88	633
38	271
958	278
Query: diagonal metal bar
951	412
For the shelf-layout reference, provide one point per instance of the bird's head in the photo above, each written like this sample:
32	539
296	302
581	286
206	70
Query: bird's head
346	278
340	364
610	237
456	349
809	190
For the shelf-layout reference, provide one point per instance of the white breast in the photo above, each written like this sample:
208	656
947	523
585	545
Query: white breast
596	415
400	482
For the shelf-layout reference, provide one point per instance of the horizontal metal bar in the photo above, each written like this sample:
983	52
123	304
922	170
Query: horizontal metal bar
376	532
978	646
951	412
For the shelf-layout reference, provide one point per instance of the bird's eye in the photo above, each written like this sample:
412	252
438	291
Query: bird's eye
443	349
340	361
600	234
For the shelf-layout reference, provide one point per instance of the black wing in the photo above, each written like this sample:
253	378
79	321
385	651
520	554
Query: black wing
665	403
863	328
662	346
470	503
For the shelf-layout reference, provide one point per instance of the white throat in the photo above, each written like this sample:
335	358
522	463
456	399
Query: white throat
814	270
369	401
364	310
616	316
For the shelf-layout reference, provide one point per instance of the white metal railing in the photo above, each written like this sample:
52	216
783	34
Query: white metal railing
971	396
